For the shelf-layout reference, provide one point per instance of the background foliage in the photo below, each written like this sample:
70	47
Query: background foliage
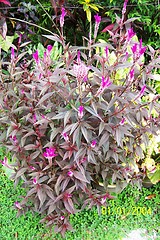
146	26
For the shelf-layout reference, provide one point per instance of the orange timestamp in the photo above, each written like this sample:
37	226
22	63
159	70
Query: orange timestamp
126	210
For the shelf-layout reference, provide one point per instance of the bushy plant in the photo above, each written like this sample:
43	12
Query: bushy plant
74	123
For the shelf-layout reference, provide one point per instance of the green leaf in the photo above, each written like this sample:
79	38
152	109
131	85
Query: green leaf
88	12
93	6
5	44
8	171
154	177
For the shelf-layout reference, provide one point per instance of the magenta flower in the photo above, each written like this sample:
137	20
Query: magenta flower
22	91
130	34
14	139
35	181
105	82
65	136
106	51
93	143
50	153
62	218
134	48
34	118
70	173
141	48
125	58
131	75
12	53
97	18
63	14
83	160
122	121
124	6
32	168
81	71
68	195
49	48
36	56
4	162
138	49
78	57
142	91
80	111
97	22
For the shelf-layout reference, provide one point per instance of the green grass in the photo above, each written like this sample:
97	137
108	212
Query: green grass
88	224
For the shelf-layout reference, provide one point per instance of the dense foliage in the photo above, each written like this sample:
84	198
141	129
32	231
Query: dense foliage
76	122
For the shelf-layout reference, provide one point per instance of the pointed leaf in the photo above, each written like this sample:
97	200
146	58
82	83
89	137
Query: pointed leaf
45	97
79	176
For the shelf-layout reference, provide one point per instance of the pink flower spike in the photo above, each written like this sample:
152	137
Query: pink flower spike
97	22
13	138
124	6
78	57
142	50
12	53
105	82
80	111
34	118
32	168
63	14
62	218
85	79
70	173
4	162
106	51
97	18
93	143
140	43
131	75
130	34
36	56
69	195
142	91
83	160
65	136
17	205
122	121
49	48
34	181
134	48
81	71
50	153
